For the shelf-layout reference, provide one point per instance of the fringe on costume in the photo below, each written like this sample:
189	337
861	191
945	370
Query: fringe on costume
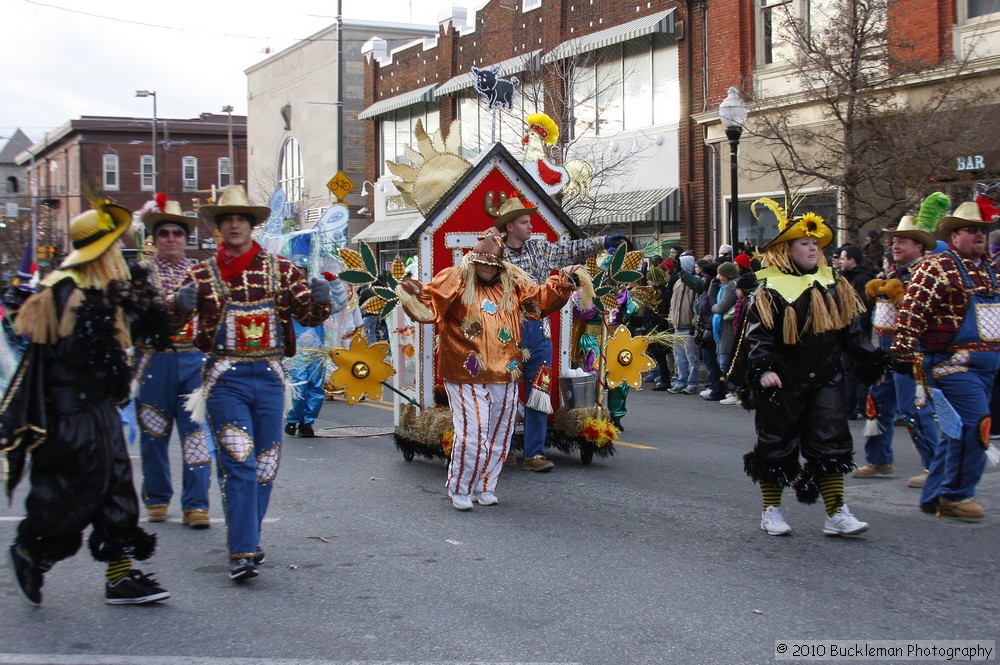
539	401
807	484
790	330
416	309
197	405
764	307
136	544
760	471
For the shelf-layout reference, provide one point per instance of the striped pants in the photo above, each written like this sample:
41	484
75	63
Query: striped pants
483	416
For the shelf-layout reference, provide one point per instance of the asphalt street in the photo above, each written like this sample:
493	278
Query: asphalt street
654	555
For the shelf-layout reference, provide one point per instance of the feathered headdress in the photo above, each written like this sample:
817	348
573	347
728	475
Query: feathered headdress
933	208
988	208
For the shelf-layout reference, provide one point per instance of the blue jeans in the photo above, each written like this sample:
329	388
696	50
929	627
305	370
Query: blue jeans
165	382
245	407
958	463
686	356
309	382
894	397
536	423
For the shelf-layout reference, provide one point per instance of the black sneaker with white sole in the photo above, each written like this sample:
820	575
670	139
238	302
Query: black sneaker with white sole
259	557
242	569
136	588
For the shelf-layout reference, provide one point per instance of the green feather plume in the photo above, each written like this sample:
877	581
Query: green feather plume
934	207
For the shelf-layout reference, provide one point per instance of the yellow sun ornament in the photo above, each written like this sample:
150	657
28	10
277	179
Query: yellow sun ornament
361	369
627	359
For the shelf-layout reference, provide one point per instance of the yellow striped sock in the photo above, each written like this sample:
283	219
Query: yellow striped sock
771	494
118	569
832	489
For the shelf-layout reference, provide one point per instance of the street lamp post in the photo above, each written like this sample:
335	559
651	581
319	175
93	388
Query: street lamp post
228	109
733	113
151	93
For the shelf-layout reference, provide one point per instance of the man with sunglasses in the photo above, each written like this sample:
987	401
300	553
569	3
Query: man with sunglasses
949	331
167	377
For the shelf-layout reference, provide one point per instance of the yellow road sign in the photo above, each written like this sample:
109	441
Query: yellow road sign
340	185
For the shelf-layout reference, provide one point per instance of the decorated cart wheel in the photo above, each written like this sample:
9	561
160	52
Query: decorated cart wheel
408	455
586	454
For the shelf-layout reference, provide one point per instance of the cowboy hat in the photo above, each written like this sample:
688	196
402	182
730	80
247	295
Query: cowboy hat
907	228
91	233
171	213
965	214
510	210
234	201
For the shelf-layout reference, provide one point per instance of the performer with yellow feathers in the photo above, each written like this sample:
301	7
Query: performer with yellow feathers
801	319
61	407
911	239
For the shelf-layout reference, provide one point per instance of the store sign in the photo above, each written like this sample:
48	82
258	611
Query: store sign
970	163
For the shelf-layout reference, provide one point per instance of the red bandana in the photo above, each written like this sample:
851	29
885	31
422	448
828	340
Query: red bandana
230	265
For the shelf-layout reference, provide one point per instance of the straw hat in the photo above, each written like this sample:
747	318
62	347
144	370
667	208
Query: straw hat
965	214
809	225
234	201
510	210
91	233
170	213
907	228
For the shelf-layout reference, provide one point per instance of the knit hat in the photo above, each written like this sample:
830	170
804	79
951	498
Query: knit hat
743	261
669	264
728	269
708	267
725	249
687	263
746	282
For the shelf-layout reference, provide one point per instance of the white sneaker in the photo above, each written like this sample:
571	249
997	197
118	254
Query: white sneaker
729	401
843	523
461	501
487	499
706	392
772	522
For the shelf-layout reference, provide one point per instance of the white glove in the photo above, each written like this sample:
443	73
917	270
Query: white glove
320	290
186	298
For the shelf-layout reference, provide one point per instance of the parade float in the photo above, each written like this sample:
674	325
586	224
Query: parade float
457	200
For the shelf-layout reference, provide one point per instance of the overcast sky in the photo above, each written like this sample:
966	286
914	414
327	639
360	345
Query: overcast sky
62	59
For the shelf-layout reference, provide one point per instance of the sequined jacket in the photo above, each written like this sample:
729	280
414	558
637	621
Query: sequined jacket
292	297
935	303
482	343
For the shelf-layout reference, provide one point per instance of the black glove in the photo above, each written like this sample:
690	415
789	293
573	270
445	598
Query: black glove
612	241
186	298
902	367
320	289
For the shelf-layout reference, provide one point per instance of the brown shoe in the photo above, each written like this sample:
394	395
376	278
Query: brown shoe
197	519
967	509
156	513
869	470
917	481
537	463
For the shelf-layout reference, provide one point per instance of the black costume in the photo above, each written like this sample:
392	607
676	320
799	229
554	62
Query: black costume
62	407
800	326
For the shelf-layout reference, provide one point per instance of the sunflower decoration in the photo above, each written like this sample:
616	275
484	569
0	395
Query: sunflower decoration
361	369
626	358
362	269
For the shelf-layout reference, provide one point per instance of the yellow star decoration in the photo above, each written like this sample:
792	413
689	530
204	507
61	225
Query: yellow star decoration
627	359
361	369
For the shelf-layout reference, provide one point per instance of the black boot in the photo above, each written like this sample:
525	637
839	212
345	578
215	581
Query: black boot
306	431
290	429
28	577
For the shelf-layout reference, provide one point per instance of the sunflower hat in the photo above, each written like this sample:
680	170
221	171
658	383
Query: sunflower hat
808	225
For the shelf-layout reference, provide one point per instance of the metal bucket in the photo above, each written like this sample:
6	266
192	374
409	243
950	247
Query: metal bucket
577	392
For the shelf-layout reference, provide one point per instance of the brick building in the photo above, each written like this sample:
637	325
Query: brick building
294	138
682	56
192	156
